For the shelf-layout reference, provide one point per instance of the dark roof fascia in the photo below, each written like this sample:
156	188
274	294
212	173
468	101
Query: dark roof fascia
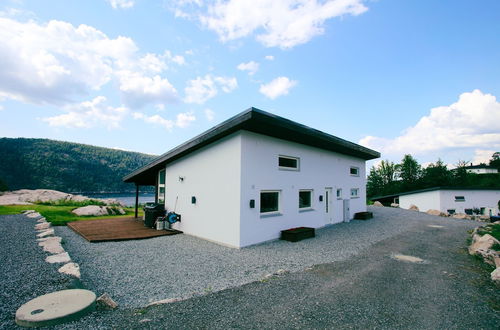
261	122
433	189
478	166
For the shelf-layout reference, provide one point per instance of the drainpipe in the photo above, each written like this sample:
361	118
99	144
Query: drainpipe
136	200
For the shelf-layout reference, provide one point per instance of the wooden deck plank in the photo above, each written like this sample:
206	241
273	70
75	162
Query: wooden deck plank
118	229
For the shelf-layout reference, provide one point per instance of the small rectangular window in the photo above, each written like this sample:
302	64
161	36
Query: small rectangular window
354	192
339	193
305	199
269	201
451	211
468	211
161	186
459	198
288	163
354	171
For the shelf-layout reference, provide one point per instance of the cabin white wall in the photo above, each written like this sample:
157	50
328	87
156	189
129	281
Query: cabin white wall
473	199
428	200
212	175
318	169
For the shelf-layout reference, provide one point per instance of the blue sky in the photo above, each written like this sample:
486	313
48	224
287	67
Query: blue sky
419	77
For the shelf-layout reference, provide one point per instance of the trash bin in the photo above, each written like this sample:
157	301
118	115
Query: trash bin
151	212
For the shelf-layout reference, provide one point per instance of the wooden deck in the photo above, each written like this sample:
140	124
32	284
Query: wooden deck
119	229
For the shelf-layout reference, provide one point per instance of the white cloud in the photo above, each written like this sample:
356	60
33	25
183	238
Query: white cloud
121	4
278	87
482	156
276	23
138	90
95	113
252	67
209	114
1	107
182	120
472	122
269	57
56	63
201	89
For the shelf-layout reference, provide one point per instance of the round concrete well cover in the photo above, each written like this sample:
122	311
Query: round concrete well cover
56	307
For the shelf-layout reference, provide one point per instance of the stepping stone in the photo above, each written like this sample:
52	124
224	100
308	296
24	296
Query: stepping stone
41	220
58	258
52	246
33	215
55	308
51	238
45	233
71	269
42	226
403	257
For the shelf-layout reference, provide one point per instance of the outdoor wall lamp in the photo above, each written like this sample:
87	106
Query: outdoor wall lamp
181	179
252	203
193	200
320	198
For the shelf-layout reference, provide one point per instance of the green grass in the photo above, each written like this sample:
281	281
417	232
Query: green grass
61	215
492	229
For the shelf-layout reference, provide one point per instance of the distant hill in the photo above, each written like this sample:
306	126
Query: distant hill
65	166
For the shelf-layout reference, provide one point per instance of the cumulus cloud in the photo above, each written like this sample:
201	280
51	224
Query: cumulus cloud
276	23
94	113
252	67
269	57
57	63
277	87
121	4
201	89
482	156
471	122
138	90
182	120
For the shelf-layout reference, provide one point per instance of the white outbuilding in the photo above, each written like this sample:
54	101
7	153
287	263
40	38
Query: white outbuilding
449	200
246	179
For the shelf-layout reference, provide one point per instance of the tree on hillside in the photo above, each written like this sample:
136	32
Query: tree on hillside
388	170
436	175
460	174
382	179
374	183
3	186
410	172
495	160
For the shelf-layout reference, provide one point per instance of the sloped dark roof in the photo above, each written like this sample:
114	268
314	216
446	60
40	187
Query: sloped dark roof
257	121
478	166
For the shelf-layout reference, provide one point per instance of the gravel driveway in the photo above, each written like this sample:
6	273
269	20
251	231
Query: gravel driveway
136	273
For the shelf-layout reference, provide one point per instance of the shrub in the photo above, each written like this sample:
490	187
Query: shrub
64	202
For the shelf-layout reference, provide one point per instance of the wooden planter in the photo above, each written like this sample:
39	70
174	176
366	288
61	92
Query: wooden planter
297	234
363	215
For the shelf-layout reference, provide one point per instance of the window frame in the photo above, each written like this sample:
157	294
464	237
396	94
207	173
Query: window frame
459	198
287	168
310	207
339	193
355	195
161	185
270	213
354	168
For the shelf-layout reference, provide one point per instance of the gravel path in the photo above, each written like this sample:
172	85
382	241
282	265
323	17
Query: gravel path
24	274
135	273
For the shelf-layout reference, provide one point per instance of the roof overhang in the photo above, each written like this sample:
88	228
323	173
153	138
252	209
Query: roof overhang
257	121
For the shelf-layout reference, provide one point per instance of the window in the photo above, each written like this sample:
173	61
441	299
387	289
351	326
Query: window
305	199
459	198
354	192
354	171
269	201
339	193
468	211
451	211
161	186
288	163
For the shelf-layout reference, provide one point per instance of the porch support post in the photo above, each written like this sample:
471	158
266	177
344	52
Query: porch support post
136	200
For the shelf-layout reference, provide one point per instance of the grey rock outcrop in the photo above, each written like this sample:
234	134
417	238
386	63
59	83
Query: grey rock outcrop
377	203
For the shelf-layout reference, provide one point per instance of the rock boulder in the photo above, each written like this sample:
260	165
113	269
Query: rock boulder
377	203
413	208
436	212
96	210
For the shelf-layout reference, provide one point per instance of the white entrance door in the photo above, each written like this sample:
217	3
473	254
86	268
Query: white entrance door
347	211
328	206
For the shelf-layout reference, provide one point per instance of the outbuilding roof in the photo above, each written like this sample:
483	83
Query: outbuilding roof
257	121
432	189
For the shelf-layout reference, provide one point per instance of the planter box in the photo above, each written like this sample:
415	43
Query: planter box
297	234
363	215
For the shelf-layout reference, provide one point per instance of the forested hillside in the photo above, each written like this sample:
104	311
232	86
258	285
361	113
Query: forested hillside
65	166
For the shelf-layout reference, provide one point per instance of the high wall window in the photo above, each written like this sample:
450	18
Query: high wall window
354	171
459	198
269	201
354	192
305	199
288	163
161	186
